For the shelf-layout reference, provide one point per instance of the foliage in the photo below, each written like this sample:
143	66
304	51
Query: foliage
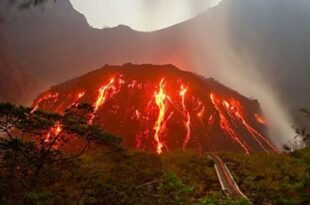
31	150
303	131
272	178
172	190
82	164
216	198
195	170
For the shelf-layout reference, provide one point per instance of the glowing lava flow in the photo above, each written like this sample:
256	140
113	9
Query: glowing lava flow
226	127
260	119
201	112
157	110
78	97
234	109
51	136
187	122
252	131
46	97
102	97
160	125
57	129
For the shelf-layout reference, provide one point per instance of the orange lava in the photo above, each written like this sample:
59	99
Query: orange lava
260	119
162	114
52	135
186	113
44	98
235	108
80	95
201	112
76	100
160	125
105	91
101	98
224	123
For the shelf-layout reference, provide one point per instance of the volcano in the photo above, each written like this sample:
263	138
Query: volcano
160	108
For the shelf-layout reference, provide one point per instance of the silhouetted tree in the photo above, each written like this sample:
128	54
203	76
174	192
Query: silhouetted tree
32	144
303	132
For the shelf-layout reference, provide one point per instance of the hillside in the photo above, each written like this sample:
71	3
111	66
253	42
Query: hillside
262	45
272	37
17	84
204	112
273	179
161	108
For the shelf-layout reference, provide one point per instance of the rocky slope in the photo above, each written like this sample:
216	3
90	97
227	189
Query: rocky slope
161	108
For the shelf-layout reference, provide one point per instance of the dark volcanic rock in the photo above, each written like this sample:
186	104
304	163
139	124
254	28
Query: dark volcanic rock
162	108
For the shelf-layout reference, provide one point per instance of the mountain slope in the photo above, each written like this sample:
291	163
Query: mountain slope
161	108
17	84
275	36
259	48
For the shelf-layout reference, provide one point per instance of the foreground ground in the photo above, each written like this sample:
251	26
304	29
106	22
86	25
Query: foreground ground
53	168
188	178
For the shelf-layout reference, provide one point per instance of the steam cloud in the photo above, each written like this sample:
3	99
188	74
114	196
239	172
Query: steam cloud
241	72
215	55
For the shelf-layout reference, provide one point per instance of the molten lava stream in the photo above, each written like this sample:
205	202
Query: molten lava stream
186	113
160	124
256	135
75	102
78	97
226	127
201	112
52	135
46	97
254	132
200	115
260	119
103	94
232	110
102	97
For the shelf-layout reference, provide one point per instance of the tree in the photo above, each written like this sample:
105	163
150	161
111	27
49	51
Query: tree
303	131
302	135
36	147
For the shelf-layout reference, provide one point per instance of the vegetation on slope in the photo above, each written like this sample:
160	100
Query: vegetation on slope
273	178
81	164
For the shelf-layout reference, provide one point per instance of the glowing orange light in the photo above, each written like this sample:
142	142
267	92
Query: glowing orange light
187	122
234	107
103	95
151	107
81	94
226	127
75	102
52	135
201	112
46	97
57	129
260	119
160	100
211	120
